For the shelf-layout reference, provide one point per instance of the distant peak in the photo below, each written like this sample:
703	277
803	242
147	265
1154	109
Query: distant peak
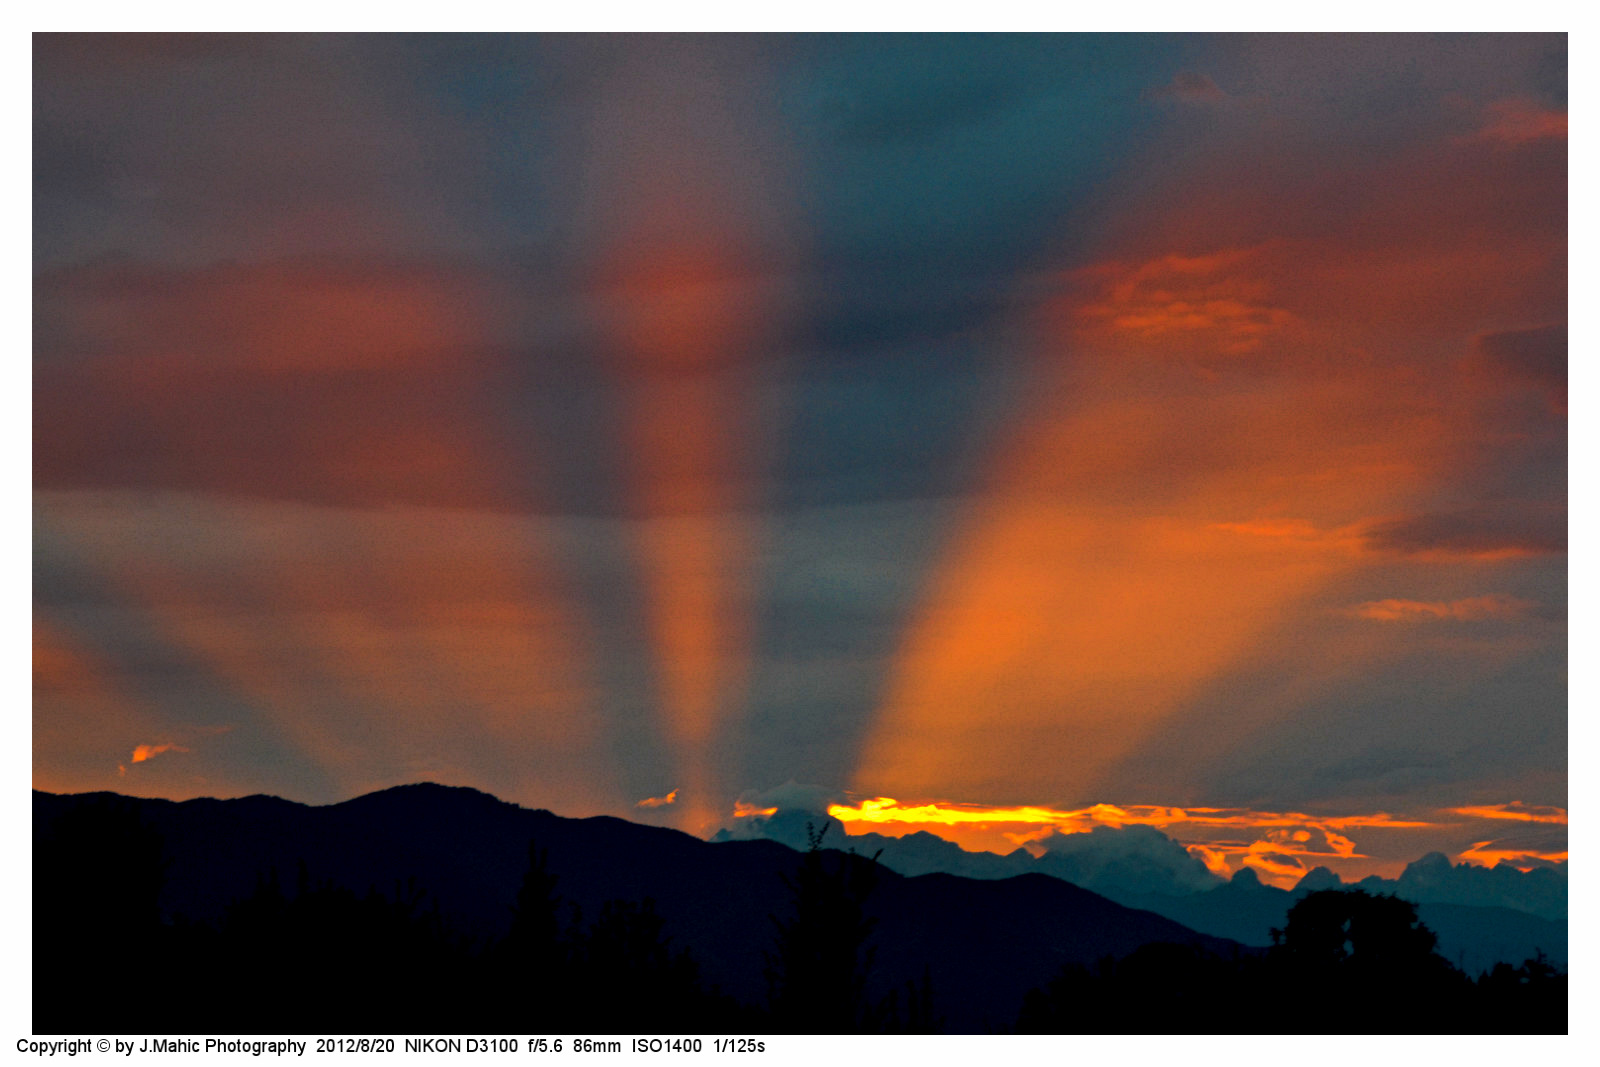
1432	863
427	791
1319	878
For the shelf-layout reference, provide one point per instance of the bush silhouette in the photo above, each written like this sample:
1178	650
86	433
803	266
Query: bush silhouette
619	972
817	971
1370	957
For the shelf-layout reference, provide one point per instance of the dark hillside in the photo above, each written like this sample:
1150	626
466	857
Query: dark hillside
981	944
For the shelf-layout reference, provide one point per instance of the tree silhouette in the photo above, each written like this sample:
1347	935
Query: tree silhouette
527	976
1370	956
1345	961
396	961
817	971
915	1014
1156	989
536	921
625	954
1530	999
1352	927
622	966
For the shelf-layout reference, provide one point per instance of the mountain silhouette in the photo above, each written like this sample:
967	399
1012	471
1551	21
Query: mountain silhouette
1482	916
969	949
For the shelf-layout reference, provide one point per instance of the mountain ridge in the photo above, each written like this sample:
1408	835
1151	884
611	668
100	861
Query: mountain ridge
981	944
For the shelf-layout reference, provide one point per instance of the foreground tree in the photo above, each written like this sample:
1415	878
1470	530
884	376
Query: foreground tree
817	971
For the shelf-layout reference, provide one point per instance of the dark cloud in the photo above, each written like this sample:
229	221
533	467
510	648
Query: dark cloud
794	796
1510	529
1538	354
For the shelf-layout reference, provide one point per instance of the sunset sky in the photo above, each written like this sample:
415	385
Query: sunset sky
1043	432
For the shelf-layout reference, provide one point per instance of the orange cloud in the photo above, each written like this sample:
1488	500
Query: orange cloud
1493	606
1424	538
658	802
1518	121
1279	846
83	710
741	810
1215	299
1273	867
1515	810
144	752
1215	859
1485	854
1296	532
889	810
1279	857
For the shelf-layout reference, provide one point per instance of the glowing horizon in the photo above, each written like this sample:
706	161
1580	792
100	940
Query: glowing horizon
1279	856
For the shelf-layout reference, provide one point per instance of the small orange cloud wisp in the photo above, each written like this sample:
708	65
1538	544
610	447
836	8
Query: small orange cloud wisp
1515	810
144	752
1485	855
1470	609
658	802
741	810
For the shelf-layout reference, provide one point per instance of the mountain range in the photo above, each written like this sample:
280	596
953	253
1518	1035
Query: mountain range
1482	915
976	945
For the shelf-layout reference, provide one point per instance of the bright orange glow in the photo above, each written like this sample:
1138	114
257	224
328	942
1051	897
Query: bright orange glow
1281	847
888	810
741	810
1215	859
1288	845
1515	810
1085	602
1281	857
1274	868
1225	414
658	802
144	752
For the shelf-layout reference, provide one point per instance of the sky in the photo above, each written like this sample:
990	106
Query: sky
995	435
